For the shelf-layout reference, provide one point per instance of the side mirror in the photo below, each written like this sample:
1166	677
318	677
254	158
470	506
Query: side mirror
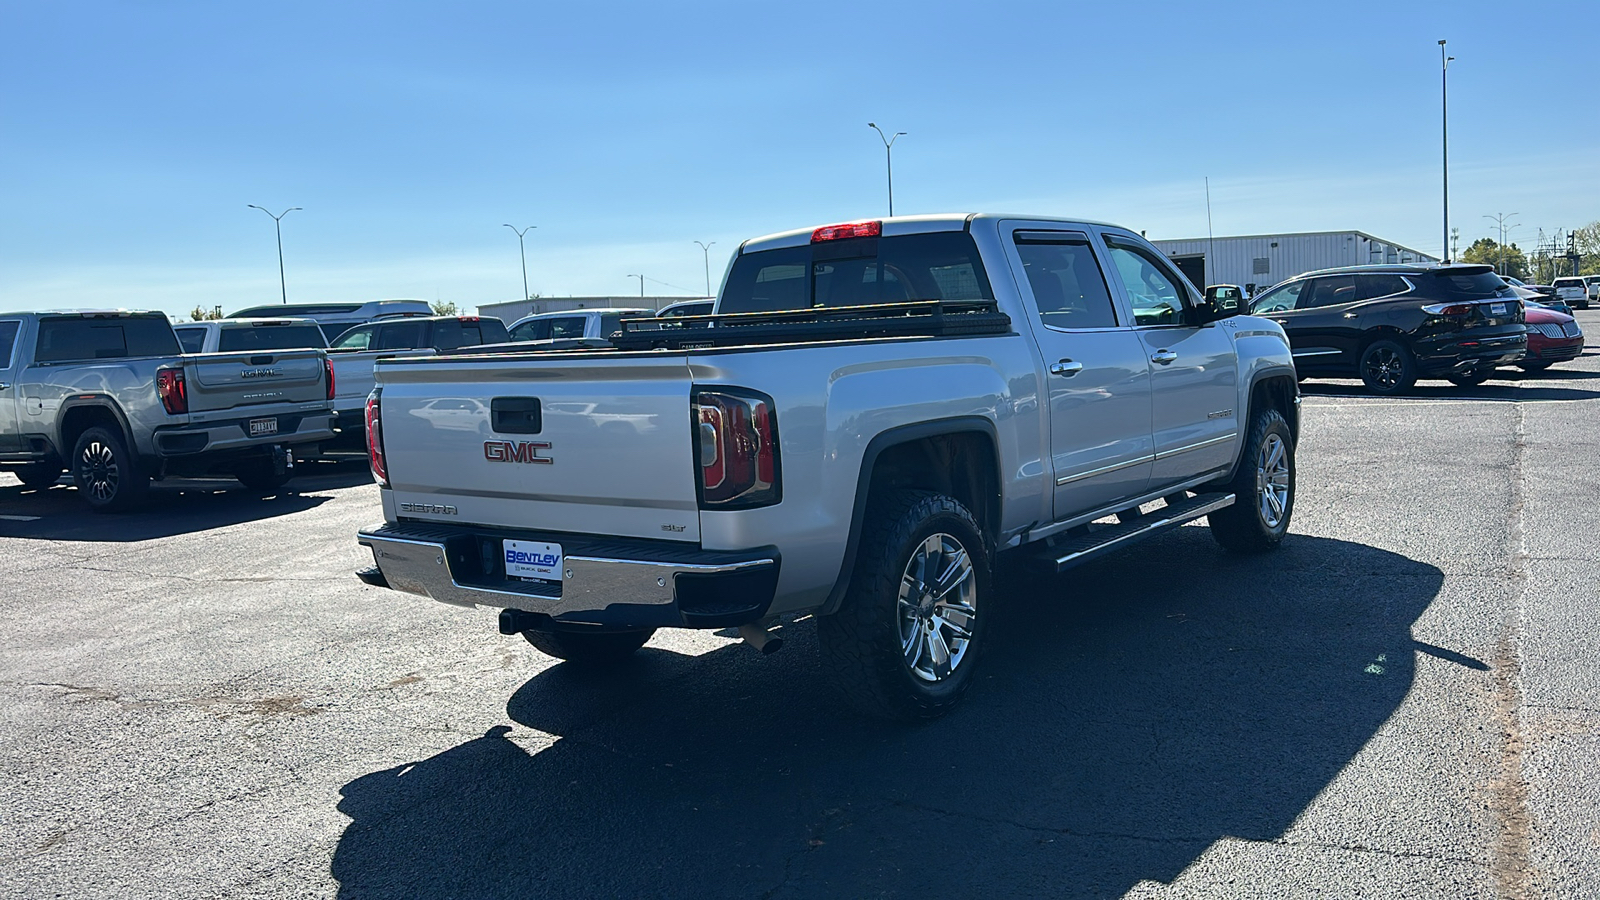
1210	311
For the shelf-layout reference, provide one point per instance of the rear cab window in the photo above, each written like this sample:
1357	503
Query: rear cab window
80	338
940	265
1470	285
269	337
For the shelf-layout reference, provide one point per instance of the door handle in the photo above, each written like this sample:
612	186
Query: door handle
1066	368
1164	357
1281	321
1352	315
4	385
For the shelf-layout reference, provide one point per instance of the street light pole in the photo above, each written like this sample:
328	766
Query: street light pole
641	285
705	250
524	251
1500	220
888	156
1444	125
277	224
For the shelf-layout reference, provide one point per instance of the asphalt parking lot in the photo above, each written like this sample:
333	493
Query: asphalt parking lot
200	700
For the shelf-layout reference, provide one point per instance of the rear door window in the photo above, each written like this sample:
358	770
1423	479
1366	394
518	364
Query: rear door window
192	340
568	327
1068	287
76	338
936	266
8	341
1330	291
533	330
1371	287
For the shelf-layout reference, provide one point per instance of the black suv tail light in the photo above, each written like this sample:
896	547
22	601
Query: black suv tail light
736	448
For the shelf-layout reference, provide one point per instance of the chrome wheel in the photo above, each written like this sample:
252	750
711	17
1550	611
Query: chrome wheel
937	607
1383	366
98	471
1272	480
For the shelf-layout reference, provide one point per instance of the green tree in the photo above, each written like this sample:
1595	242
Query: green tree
201	314
1587	242
1507	260
444	308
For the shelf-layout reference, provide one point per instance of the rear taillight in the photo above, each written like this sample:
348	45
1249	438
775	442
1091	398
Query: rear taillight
173	391
380	467
736	448
327	366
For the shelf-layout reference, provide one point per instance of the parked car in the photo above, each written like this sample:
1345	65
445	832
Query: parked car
355	352
336	318
572	324
904	399
232	335
1552	337
1573	291
686	308
109	396
1390	325
1593	282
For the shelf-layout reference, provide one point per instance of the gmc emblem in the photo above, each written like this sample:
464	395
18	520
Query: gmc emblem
516	451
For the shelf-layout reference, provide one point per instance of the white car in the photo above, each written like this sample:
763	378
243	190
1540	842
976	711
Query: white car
573	323
1594	287
228	335
1573	290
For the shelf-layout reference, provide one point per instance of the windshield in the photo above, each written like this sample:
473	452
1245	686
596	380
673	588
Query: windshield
937	266
271	337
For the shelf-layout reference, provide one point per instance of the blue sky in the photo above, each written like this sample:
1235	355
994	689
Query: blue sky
132	135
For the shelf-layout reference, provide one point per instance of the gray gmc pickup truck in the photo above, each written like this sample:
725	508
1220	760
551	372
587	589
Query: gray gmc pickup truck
109	396
873	413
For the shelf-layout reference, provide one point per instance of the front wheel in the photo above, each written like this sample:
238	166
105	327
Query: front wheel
105	472
1263	488
904	643
589	649
1470	379
1387	367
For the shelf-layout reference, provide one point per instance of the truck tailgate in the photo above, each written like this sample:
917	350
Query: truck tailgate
599	446
222	381
353	371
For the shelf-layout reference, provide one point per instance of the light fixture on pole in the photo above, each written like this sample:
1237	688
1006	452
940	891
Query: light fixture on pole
1500	221
277	224
888	156
524	250
641	285
1444	128
705	250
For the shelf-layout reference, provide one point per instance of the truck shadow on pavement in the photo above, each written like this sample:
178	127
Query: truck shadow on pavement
1128	716
174	507
1522	387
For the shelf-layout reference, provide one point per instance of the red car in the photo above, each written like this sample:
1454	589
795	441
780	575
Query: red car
1552	337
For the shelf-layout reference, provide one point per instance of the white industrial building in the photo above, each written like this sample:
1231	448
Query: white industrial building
512	310
1258	261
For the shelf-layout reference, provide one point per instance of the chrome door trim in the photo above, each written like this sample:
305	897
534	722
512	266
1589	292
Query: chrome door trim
1068	479
1317	352
1163	454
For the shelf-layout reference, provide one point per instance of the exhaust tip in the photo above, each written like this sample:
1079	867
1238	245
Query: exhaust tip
761	639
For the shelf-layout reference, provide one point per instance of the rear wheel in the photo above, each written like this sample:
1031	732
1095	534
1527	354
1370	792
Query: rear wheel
1387	367
38	475
1470	379
107	475
906	640
1263	488
589	649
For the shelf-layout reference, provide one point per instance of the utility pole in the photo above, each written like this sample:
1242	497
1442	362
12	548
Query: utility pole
705	250
1455	244
277	223
888	155
1444	122
524	251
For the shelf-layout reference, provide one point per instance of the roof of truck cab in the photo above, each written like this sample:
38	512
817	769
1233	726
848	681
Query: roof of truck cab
897	225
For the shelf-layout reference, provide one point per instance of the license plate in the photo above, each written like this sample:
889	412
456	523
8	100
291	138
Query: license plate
259	427
532	559
1498	309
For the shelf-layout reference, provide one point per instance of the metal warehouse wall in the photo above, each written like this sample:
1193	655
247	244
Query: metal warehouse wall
1265	260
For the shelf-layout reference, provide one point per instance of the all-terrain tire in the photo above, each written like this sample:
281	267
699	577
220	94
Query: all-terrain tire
1387	367
107	475
589	649
1256	523
874	645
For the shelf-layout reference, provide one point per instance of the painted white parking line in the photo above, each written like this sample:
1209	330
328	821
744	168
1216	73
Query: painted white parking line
20	518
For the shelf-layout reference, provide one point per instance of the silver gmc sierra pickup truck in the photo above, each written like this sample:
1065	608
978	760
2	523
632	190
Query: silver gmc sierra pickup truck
109	396
874	412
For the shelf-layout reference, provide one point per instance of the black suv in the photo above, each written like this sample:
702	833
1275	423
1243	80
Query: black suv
1390	325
